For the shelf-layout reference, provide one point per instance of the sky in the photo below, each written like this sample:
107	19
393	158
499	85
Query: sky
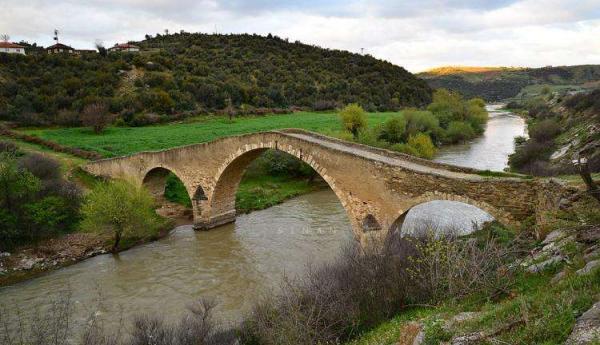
415	34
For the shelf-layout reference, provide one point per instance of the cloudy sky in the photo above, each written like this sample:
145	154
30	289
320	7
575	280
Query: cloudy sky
416	34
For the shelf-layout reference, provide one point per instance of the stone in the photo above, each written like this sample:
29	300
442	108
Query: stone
587	328
558	277
590	256
589	267
467	339
535	268
376	186
554	236
460	318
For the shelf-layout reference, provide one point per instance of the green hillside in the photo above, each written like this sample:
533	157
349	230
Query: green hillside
500	83
179	74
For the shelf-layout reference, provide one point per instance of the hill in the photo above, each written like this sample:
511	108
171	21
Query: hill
185	72
500	83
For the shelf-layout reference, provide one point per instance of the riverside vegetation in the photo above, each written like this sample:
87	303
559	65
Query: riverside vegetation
496	285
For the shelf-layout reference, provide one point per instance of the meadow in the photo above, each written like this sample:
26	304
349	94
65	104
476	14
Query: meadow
118	141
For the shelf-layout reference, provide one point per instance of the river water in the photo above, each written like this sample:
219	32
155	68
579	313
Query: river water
239	262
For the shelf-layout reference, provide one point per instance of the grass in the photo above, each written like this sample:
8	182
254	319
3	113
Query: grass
118	141
260	192
548	313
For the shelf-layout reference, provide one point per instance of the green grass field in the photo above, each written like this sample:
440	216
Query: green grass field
118	141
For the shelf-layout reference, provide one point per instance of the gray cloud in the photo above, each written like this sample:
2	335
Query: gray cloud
415	34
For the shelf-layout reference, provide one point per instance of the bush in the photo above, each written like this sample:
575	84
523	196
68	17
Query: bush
354	119
392	130
423	145
96	115
8	147
405	148
42	167
120	208
544	131
421	122
337	301
459	132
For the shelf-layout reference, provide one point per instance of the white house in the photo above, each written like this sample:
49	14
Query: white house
11	48
124	47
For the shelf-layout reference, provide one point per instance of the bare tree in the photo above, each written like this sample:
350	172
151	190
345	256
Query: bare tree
101	48
4	37
96	115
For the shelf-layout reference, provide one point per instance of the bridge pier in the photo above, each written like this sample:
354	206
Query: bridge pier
207	223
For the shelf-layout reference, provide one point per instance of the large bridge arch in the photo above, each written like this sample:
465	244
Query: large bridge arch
221	200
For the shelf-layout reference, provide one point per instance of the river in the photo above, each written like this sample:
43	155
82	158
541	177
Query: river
239	262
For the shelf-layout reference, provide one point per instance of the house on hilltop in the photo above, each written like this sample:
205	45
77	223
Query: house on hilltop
124	47
60	48
11	48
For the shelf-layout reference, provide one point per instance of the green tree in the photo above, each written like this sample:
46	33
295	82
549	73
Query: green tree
354	119
459	131
121	208
393	130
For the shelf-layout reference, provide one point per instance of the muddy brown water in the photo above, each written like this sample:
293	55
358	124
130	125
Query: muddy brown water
237	263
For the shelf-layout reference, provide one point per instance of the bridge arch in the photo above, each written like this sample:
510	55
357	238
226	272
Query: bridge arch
155	180
222	198
498	215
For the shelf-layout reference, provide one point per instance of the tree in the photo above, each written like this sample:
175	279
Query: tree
354	119
4	37
120	208
101	48
229	109
423	144
96	115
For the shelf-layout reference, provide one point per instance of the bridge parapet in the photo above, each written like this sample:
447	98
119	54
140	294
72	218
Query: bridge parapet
375	186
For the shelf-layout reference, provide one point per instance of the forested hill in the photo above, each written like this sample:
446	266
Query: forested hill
184	72
499	83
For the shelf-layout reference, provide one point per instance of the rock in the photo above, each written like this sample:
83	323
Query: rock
460	318
4	255
589	267
468	338
411	334
535	268
590	234
594	254
587	327
554	236
558	277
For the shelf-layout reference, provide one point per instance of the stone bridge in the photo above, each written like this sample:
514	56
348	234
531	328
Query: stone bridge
376	187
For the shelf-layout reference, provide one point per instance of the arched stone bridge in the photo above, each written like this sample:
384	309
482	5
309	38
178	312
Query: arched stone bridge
376	187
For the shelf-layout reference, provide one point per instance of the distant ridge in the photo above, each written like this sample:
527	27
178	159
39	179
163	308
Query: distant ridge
501	83
445	70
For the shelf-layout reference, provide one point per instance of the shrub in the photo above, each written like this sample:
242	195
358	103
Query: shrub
405	148
120	208
96	115
323	105
459	132
421	122
8	147
393	130
354	119
43	167
423	145
544	131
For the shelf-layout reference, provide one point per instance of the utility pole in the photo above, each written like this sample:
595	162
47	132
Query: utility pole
362	51
56	35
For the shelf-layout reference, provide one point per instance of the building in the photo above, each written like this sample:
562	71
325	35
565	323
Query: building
60	48
85	51
124	47
11	48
